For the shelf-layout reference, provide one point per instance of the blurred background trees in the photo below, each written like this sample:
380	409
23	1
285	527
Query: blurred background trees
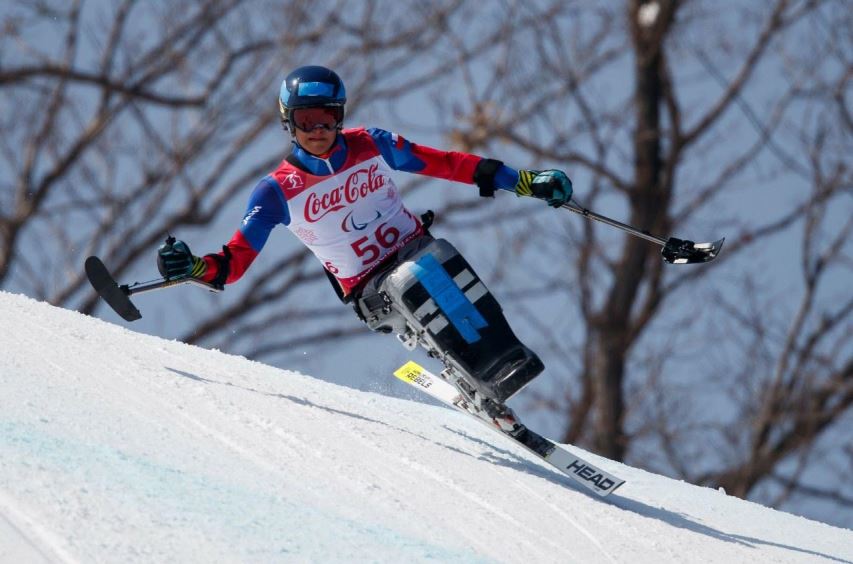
125	121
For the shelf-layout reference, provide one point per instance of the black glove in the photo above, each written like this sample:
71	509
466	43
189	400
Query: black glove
175	260
553	186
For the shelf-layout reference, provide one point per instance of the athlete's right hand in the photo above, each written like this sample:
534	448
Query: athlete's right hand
175	260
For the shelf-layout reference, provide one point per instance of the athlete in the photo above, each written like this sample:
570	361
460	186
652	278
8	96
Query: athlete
335	191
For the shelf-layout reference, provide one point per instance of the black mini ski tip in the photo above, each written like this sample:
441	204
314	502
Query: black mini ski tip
678	251
103	283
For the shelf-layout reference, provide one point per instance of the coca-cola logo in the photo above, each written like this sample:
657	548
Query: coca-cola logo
359	184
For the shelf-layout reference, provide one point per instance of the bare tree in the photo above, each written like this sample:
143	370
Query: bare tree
152	119
674	145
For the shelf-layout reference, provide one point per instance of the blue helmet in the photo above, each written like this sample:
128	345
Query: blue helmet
310	87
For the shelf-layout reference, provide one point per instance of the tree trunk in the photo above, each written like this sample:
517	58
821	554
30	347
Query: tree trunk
649	203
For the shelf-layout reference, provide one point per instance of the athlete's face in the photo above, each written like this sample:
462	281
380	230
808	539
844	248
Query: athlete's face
316	128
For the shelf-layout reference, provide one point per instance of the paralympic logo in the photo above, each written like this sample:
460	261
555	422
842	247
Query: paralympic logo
348	224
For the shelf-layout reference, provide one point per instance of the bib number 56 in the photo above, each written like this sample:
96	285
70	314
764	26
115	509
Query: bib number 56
369	248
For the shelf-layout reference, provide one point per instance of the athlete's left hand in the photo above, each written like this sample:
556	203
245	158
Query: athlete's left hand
553	186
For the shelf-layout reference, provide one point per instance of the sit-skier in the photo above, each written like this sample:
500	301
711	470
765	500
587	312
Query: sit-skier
336	193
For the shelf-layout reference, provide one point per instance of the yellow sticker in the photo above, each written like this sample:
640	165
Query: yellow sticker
409	372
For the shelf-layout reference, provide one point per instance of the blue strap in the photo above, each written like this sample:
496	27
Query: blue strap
447	295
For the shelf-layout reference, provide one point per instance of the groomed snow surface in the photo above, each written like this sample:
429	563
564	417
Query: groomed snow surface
121	447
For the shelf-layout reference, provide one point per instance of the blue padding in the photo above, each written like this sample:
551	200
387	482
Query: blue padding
447	295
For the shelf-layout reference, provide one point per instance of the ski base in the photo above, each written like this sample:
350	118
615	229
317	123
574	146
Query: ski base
103	283
587	475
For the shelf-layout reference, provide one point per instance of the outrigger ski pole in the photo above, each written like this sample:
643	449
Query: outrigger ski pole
674	251
118	297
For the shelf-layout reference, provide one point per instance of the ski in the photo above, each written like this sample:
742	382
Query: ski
584	473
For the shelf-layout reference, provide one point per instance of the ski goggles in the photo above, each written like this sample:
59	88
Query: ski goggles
309	119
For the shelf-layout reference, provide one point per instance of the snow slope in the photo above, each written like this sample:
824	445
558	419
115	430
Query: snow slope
121	447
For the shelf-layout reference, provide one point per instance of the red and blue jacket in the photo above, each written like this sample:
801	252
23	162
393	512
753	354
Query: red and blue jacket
344	206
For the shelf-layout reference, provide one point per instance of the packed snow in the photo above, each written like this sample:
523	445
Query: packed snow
122	447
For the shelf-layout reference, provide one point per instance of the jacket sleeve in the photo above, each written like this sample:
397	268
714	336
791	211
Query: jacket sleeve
402	154
266	209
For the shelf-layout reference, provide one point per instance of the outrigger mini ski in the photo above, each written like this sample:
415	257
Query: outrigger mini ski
584	473
118	297
674	251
